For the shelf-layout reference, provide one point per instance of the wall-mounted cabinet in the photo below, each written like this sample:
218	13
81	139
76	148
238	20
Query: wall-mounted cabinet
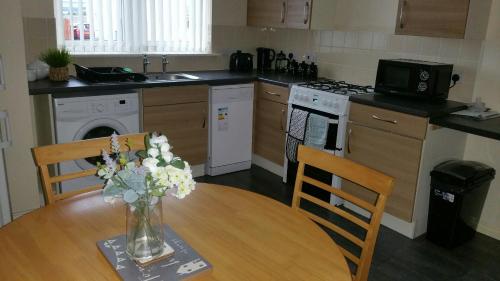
443	18
354	15
279	13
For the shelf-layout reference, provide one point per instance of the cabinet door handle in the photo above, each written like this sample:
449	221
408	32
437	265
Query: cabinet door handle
401	14
306	13
283	12
204	124
272	94
282	126
349	141
384	120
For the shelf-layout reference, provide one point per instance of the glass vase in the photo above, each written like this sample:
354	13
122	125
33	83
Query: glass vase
145	234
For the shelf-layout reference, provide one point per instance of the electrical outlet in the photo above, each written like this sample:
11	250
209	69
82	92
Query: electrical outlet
2	75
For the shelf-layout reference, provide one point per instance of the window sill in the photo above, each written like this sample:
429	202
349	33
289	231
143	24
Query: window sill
139	55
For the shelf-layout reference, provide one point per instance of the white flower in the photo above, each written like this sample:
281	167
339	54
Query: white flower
153	152
165	147
157	140
168	156
150	164
115	144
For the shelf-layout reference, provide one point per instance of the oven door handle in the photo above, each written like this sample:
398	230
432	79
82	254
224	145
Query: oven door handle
282	126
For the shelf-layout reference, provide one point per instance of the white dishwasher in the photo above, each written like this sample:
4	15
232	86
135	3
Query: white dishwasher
230	128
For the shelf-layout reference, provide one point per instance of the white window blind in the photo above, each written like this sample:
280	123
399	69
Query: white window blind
134	26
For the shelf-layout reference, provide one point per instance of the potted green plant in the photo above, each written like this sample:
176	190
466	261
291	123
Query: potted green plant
58	60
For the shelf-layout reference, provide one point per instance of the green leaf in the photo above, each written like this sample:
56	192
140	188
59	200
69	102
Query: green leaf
178	163
142	154
162	163
130	196
56	57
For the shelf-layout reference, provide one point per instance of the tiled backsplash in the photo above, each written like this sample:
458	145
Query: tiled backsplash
353	56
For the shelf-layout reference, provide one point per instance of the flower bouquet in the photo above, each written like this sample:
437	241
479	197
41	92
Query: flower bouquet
141	184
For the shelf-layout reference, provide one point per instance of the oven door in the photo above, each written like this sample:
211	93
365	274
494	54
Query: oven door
333	145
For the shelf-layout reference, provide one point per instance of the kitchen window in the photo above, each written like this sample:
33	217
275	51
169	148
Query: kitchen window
134	26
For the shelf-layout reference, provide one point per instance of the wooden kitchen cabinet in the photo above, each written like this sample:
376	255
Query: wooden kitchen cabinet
354	15
270	122
181	113
266	13
443	18
395	155
279	13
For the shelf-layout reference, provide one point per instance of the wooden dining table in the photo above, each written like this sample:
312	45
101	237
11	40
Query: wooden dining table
244	235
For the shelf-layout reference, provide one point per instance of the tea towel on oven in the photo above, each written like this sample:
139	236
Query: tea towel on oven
296	132
316	131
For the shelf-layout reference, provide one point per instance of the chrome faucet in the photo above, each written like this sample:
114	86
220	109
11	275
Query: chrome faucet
145	62
164	63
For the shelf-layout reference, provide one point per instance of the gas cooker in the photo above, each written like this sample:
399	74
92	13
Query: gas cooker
326	95
338	87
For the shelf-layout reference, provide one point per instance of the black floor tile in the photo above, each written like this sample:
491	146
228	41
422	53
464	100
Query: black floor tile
396	257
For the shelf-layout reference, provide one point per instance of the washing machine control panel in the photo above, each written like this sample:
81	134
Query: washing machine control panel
84	107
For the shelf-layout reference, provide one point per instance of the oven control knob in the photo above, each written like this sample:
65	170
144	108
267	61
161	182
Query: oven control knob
422	86
424	75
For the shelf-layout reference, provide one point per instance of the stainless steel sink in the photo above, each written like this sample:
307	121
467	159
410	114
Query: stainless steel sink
171	76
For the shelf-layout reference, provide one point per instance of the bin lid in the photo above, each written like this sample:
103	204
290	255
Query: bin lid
466	172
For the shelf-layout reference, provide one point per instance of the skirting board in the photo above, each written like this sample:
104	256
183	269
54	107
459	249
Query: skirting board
220	170
489	231
405	228
268	165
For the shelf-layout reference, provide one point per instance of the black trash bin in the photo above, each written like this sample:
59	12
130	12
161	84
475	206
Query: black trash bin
458	191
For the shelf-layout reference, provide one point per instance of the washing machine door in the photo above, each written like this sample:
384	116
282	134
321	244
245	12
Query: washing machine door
98	128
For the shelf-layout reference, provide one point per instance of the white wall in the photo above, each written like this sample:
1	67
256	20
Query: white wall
481	149
21	172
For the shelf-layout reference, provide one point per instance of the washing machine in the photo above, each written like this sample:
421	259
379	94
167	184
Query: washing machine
94	115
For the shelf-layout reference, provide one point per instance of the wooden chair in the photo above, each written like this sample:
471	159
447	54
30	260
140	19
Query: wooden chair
57	153
366	177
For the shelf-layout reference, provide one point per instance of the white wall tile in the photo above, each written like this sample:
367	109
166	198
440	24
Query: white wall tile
430	46
471	49
338	39
365	40
351	40
380	41
326	38
450	48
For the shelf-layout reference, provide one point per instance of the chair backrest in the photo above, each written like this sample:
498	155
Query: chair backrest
57	153
361	175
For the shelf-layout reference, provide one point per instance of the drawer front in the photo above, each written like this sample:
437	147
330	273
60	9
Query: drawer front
175	95
269	130
388	120
395	155
273	93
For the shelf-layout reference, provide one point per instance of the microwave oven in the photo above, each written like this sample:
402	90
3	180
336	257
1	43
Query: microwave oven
413	78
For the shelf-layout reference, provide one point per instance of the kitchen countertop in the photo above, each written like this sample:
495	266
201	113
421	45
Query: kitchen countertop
485	128
410	106
213	77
